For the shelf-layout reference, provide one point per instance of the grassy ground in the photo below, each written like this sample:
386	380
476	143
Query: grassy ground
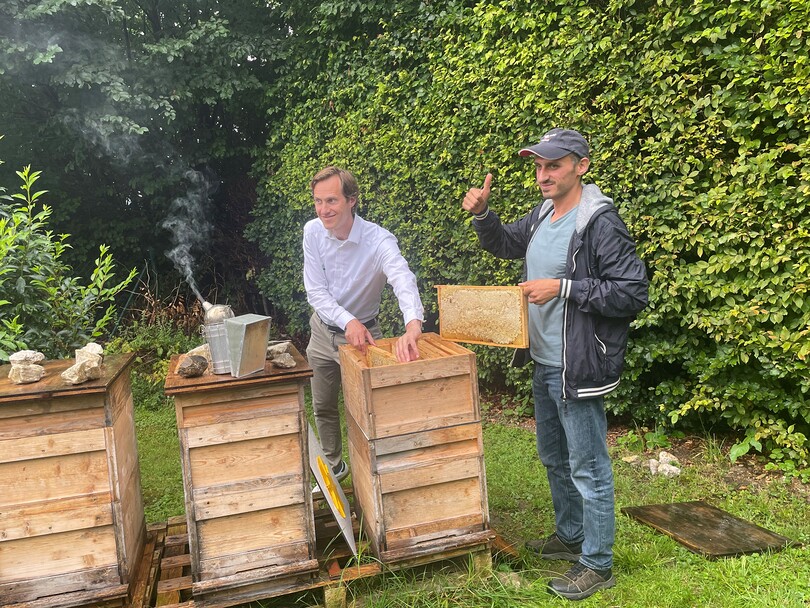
652	570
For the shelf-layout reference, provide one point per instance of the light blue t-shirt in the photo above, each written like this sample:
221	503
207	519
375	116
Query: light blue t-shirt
545	259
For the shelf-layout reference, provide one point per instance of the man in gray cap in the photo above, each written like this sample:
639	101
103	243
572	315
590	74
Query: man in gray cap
585	284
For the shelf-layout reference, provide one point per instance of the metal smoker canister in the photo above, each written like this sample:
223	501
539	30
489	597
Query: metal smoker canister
214	330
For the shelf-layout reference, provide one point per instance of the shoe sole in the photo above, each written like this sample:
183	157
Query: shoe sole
611	582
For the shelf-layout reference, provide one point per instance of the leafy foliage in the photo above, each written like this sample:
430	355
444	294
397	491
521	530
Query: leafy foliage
44	307
697	113
120	101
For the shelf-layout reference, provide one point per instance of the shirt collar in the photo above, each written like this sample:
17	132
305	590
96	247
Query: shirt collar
355	234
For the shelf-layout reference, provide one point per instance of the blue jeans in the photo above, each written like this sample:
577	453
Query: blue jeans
572	445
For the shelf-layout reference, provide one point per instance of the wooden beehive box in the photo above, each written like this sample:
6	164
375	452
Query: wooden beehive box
491	315
73	529
244	452
416	448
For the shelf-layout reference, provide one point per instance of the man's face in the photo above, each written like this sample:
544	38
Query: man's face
557	178
332	207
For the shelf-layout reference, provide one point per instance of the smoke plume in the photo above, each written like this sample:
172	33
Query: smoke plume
189	226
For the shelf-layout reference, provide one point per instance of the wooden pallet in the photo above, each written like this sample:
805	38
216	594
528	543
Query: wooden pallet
172	566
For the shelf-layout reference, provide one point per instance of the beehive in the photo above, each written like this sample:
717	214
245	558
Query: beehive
244	451
73	527
491	315
415	446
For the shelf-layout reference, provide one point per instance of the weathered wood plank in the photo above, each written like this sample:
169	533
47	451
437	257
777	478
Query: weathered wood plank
54	516
244	460
54	588
416	371
250	531
46	446
438	549
422	506
255	427
240	579
55	554
409	536
66	476
422	405
52	423
196	414
707	530
237	501
171	580
439	470
248	561
426	439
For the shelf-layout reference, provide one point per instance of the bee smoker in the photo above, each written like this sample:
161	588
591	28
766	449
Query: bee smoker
214	331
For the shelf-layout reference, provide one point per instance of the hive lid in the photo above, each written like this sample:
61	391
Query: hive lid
491	315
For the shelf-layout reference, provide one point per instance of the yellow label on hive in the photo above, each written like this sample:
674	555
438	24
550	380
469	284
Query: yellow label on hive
330	486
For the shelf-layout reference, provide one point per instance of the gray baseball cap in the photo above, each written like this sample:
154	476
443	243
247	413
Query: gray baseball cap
558	143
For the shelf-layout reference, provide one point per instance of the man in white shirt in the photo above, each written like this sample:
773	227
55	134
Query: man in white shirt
347	262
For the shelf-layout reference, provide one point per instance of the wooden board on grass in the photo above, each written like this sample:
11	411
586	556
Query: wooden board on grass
707	530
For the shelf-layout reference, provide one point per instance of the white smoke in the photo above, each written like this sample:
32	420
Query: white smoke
189	226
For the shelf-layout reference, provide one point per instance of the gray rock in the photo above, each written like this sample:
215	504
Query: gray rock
82	371
277	348
25	373
668	470
284	360
667	458
192	366
91	352
26	356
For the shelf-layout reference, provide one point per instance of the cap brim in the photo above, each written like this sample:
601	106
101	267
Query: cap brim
546	151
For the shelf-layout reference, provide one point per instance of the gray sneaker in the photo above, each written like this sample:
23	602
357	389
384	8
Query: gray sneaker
581	582
552	547
341	470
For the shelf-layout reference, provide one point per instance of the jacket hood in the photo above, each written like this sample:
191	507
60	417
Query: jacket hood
591	203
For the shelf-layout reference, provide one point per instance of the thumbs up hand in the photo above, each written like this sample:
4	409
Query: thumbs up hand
476	199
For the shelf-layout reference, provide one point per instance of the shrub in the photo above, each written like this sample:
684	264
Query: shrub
43	307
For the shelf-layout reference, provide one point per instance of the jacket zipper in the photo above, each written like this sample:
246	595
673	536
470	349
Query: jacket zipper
565	326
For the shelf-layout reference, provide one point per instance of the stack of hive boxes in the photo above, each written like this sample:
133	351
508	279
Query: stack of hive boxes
416	448
72	527
244	453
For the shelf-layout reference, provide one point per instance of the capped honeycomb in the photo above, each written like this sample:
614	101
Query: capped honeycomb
496	316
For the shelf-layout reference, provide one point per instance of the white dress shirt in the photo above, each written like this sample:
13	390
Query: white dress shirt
344	279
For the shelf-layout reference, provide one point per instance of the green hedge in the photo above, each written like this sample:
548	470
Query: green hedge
697	113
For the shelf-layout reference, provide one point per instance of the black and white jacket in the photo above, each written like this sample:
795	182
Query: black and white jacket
605	287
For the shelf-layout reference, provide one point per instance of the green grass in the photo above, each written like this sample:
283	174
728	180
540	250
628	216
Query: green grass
652	570
159	454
